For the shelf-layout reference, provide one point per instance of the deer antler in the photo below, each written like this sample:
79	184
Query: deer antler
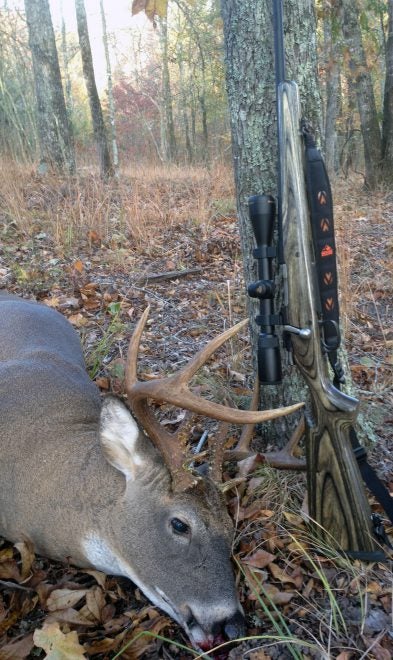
284	459
174	390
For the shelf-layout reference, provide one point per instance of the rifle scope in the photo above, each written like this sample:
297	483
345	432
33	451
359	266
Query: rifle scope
262	210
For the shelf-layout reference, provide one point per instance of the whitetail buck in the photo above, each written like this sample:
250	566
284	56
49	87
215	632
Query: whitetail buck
82	481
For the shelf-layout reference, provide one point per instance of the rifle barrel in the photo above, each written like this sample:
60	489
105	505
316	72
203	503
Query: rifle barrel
279	54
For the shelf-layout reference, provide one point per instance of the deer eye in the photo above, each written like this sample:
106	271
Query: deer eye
179	527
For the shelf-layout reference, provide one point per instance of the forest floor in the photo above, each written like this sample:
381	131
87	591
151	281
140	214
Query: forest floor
99	253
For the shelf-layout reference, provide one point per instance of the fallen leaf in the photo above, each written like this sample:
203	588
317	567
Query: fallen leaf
62	599
17	650
259	559
102	382
276	596
296	578
249	464
345	655
26	551
293	519
377	651
99	577
95	602
78	266
58	645
78	320
254	510
9	570
69	616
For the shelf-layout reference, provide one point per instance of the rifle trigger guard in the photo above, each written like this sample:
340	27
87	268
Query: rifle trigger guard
332	342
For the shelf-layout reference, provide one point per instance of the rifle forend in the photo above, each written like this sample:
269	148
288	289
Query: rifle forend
337	500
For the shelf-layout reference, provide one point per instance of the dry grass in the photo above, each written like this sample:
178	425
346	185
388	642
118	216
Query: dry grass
365	250
155	215
138	207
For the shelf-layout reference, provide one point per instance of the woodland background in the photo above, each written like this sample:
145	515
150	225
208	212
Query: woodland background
116	190
161	84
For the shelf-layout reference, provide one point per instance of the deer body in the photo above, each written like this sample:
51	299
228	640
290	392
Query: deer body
81	480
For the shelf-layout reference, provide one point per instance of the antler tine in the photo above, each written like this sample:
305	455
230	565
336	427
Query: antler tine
217	451
133	348
186	373
167	443
174	389
248	429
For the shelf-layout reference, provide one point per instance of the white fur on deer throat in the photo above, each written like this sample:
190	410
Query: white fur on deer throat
101	555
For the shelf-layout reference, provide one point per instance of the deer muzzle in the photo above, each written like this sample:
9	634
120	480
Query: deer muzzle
227	629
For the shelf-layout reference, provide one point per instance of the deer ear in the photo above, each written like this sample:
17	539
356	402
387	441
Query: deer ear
119	433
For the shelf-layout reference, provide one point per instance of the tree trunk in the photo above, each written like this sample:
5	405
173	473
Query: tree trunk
183	100
387	131
167	94
94	100
55	138
332	92
115	153
362	81
248	35
66	68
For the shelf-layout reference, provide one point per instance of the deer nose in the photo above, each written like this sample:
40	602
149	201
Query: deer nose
233	627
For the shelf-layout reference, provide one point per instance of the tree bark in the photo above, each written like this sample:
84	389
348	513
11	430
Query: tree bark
55	138
362	81
171	147
332	69
111	101
66	68
94	100
248	35
183	99
387	129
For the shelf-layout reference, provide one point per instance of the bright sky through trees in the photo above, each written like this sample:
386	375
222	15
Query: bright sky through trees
119	22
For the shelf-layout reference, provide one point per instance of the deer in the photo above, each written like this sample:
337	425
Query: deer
89	480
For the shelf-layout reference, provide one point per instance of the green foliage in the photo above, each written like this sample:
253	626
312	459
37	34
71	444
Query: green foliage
115	328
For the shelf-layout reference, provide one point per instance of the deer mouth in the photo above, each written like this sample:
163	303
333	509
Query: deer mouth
201	639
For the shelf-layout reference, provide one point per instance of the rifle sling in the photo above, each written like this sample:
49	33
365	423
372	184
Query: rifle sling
321	213
322	223
370	477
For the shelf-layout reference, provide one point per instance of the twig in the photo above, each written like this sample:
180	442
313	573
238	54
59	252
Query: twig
169	275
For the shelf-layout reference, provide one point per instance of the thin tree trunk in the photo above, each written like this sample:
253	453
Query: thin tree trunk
250	79
387	131
167	94
202	92
66	68
115	153
362	81
94	100
55	138
332	93
183	98
349	151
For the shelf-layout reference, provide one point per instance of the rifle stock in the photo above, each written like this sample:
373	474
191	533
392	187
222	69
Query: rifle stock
337	500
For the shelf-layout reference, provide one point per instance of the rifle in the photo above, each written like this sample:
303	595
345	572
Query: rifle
338	506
